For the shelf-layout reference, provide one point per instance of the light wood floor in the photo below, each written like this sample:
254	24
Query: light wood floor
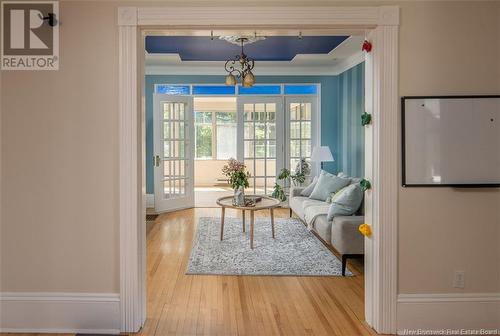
180	304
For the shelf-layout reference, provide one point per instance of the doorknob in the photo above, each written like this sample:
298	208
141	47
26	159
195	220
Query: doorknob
156	161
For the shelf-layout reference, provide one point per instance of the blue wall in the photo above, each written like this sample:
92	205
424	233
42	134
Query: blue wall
332	121
351	106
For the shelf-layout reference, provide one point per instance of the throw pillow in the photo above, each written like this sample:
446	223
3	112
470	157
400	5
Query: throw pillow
346	201
309	189
353	179
327	184
329	198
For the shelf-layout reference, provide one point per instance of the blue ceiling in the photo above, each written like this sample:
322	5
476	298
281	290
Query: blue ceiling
274	48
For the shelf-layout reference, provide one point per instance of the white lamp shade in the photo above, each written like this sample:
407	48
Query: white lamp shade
322	154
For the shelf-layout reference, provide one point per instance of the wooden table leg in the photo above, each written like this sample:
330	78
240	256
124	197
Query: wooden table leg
243	214
272	220
222	223
252	220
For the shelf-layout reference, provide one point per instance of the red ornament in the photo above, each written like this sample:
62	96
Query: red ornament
367	46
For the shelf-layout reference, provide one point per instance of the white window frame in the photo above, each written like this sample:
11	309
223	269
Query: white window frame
315	127
381	24
279	156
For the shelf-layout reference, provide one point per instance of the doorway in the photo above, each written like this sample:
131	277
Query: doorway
382	24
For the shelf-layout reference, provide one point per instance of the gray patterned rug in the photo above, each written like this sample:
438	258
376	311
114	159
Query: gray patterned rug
295	251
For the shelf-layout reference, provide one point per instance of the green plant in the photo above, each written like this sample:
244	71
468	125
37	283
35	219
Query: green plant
302	170
278	193
236	173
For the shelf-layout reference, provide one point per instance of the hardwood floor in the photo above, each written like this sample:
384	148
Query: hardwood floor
180	304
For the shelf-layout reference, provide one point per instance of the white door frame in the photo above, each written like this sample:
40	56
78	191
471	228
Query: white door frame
382	25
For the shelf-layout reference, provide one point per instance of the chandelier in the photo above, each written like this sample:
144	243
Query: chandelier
244	70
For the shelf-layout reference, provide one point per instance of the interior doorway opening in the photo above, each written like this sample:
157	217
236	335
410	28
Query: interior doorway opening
277	125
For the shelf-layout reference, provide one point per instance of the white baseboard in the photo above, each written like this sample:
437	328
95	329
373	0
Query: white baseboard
87	313
453	312
150	200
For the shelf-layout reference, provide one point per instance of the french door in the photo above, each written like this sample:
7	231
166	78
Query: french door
173	152
301	131
260	140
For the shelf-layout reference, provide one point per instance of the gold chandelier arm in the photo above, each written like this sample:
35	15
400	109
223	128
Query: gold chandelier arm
229	66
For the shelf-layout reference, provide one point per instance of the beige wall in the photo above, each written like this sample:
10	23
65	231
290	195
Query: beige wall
59	156
206	172
445	49
59	163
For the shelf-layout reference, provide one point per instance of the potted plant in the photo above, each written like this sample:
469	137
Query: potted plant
237	176
302	170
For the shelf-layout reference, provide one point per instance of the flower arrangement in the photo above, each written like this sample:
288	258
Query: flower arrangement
236	173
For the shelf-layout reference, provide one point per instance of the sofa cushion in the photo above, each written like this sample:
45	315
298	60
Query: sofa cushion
309	189
346	201
296	204
327	184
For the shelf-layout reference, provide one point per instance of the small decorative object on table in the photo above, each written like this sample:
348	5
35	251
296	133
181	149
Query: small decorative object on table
238	179
251	201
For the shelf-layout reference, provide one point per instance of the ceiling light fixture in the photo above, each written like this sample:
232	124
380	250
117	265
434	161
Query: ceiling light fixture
246	65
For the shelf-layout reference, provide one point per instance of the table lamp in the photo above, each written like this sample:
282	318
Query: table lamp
322	154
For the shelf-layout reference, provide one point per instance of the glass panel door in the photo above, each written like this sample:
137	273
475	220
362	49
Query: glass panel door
260	140
301	131
173	160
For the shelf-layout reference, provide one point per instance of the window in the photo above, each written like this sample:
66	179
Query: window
173	89
226	130
213	90
215	128
203	138
301	89
260	90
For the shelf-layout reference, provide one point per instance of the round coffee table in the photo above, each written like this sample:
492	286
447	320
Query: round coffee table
266	203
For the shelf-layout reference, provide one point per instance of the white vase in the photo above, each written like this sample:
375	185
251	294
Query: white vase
239	196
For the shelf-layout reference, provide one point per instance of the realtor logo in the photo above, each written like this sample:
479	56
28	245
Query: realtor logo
30	35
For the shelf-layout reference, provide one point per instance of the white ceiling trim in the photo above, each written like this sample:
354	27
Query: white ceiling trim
263	69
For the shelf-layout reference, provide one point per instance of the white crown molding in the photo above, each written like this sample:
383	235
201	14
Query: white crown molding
453	311
349	63
34	312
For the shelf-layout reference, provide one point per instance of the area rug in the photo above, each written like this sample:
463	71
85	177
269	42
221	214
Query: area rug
295	250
